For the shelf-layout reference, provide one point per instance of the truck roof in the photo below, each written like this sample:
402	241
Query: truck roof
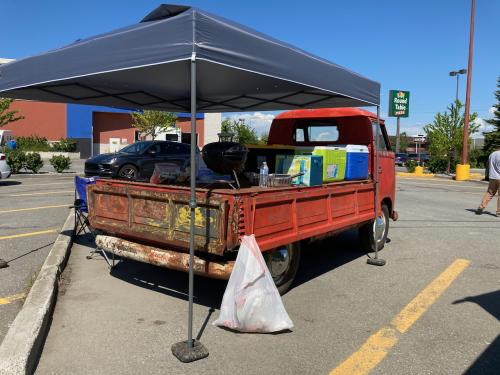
327	112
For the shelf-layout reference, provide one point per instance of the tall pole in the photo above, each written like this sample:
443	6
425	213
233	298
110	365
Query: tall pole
192	201
189	351
398	127
456	95
467	94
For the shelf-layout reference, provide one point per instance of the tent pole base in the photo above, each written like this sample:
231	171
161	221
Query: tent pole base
376	261
184	353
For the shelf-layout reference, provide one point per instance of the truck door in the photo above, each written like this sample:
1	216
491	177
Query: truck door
386	166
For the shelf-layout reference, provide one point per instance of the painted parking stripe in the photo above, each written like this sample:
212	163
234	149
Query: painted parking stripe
378	345
32	208
28	234
42	193
12	298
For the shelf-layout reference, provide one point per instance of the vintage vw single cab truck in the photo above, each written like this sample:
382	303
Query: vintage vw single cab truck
150	223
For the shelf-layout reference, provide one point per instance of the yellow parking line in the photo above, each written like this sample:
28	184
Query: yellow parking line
43	193
12	298
410	314
33	208
28	234
374	350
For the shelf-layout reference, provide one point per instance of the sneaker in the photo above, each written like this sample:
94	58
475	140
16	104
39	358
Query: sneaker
479	211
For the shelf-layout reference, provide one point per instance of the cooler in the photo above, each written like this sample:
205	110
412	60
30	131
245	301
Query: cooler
334	160
310	165
357	162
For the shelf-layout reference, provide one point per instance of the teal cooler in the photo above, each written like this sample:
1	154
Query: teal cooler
310	165
356	162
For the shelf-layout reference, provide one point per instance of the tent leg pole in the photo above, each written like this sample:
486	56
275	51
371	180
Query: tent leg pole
376	261
189	351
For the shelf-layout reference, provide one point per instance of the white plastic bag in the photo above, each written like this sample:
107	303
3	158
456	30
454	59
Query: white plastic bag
251	302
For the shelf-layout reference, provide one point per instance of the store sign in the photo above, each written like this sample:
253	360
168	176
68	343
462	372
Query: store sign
419	139
399	103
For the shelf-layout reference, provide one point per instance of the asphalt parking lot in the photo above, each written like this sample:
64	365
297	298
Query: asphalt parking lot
433	309
32	211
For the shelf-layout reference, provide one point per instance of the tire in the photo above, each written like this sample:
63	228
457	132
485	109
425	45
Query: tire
366	232
283	275
128	172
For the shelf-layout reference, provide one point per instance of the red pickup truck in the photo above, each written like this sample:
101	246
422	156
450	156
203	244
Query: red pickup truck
150	223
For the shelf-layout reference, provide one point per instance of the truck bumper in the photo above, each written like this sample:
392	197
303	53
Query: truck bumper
171	259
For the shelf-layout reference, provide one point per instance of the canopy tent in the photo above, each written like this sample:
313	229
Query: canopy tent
147	66
180	58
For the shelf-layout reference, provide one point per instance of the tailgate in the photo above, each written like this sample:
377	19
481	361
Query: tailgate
157	214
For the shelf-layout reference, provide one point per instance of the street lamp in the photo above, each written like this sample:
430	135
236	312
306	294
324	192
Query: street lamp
456	73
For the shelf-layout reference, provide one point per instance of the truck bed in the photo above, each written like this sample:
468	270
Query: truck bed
159	215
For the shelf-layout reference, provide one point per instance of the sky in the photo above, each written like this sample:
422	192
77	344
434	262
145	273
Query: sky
404	45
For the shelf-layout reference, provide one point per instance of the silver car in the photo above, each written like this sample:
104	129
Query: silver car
4	167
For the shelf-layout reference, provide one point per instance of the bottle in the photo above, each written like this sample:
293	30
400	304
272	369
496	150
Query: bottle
263	175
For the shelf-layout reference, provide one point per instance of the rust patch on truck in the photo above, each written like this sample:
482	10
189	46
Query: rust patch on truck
159	217
165	258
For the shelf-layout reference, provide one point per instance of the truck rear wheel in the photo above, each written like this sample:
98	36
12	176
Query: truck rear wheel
367	237
283	263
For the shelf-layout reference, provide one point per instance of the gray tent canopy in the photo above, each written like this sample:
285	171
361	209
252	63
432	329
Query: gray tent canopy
180	58
147	66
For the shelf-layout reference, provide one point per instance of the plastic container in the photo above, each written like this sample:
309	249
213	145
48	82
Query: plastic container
310	165
264	175
357	162
334	160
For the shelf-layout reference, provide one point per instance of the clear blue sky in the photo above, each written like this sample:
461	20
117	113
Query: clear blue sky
408	45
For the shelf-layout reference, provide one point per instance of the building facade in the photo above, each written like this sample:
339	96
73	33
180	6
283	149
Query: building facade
99	129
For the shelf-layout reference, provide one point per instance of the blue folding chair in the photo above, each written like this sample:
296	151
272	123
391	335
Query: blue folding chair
82	224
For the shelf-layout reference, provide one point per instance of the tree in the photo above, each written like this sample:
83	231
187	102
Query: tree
243	133
492	138
445	134
153	122
7	116
264	137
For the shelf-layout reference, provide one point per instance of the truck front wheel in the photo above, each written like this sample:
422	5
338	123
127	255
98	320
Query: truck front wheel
367	236
283	263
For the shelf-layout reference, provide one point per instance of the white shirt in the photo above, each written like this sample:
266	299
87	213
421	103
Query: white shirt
494	163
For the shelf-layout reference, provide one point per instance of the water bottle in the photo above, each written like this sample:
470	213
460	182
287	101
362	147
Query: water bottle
263	175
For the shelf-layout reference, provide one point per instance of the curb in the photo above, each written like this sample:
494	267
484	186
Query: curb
21	347
413	174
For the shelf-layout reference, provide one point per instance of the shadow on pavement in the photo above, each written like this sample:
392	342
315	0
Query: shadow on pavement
323	256
317	258
489	360
484	212
10	183
29	252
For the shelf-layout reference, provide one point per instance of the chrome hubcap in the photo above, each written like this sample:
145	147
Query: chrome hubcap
380	225
280	261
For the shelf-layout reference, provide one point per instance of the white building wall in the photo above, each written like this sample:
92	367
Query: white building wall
213	123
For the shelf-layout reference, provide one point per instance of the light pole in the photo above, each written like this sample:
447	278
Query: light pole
463	169
456	73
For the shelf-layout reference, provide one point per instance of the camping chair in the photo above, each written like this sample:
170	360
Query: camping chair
82	224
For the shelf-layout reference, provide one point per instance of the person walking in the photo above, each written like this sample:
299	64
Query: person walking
494	184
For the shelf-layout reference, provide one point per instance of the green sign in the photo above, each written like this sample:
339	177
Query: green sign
399	103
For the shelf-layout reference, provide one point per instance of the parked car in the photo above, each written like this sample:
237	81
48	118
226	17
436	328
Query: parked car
4	167
137	161
421	158
401	158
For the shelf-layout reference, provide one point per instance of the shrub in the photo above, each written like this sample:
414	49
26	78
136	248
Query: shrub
64	145
439	165
477	158
60	163
16	159
34	162
410	165
32	143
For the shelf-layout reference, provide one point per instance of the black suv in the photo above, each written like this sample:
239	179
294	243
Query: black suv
137	161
